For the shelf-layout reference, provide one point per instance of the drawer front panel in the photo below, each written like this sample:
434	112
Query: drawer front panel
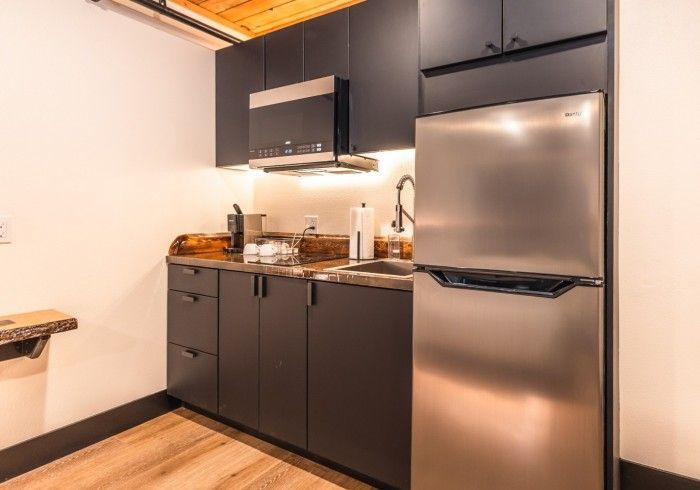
193	321
196	280
192	377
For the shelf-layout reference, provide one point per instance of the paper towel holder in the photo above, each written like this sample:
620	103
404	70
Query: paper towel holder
362	234
359	238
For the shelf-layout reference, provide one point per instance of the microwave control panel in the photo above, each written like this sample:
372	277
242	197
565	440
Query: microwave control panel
290	149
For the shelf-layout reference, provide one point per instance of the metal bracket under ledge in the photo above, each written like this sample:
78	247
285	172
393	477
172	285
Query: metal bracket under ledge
26	334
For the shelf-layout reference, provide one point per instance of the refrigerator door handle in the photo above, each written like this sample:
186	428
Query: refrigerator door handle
545	287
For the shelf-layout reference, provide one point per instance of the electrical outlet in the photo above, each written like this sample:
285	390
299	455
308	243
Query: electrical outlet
5	229
311	221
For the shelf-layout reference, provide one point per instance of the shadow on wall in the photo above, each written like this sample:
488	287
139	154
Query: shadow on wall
29	376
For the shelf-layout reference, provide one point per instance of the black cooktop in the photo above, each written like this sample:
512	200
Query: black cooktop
291	260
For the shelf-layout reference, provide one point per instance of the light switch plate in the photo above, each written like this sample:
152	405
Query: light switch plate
5	229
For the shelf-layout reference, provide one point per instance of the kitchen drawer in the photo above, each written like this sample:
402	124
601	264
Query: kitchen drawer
193	321
192	377
196	280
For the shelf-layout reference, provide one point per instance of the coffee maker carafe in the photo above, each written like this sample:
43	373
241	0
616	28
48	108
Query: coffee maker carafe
244	228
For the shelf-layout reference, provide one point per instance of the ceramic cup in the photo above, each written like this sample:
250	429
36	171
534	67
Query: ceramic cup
268	250
251	249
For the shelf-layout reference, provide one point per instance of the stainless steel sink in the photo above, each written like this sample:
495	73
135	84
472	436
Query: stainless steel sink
395	268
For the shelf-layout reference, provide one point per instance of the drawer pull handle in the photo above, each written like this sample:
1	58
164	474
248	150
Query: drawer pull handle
188	354
253	284
309	294
189	299
189	272
261	287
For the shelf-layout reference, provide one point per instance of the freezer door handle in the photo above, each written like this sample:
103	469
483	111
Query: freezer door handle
546	287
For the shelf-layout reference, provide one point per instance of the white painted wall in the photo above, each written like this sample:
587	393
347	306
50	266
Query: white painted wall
287	199
106	154
106	151
659	264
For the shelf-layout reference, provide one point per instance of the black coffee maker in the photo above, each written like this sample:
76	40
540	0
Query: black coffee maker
244	228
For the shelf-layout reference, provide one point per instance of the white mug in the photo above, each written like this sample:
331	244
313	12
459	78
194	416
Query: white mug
251	249
268	250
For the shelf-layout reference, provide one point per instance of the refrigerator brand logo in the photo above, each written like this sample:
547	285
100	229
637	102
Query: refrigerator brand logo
573	114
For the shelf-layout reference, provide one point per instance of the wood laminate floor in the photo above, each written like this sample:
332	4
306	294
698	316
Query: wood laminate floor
185	450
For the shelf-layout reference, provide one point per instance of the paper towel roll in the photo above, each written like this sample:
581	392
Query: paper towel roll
362	229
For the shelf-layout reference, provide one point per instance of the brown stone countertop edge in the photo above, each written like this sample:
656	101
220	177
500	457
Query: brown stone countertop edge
318	271
26	326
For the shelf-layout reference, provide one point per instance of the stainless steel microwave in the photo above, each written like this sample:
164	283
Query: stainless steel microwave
303	128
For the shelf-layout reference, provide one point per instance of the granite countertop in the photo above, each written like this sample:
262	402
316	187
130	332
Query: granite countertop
24	326
318	271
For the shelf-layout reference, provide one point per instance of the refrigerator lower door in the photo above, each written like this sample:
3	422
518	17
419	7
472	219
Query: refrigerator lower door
515	187
507	388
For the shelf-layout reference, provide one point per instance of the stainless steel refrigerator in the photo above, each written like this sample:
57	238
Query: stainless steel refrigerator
508	297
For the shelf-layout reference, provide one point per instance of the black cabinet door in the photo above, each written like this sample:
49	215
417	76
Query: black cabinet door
284	57
559	72
326	48
283	359
360	379
533	22
455	31
383	75
239	338
240	71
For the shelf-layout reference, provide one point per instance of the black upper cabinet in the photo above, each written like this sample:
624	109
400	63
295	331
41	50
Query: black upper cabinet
326	48
455	31
240	71
239	339
360	379
537	22
283	359
383	75
284	57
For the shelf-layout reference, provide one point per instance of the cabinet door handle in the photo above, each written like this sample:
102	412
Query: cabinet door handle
188	354
261	286
189	299
189	272
253	283
309	294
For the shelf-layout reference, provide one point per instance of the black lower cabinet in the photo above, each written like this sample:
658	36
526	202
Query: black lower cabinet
192	377
320	366
192	321
239	343
283	359
359	379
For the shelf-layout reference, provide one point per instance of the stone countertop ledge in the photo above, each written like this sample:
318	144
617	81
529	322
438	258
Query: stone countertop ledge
25	326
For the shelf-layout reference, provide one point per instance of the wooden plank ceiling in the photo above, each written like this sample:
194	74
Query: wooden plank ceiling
257	17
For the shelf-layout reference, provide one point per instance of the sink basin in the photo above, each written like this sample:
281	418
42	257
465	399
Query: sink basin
394	268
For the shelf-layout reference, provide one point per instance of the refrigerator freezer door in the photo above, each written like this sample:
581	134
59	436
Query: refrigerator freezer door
507	389
515	187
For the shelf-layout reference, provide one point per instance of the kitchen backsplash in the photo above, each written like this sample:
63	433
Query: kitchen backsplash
286	200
